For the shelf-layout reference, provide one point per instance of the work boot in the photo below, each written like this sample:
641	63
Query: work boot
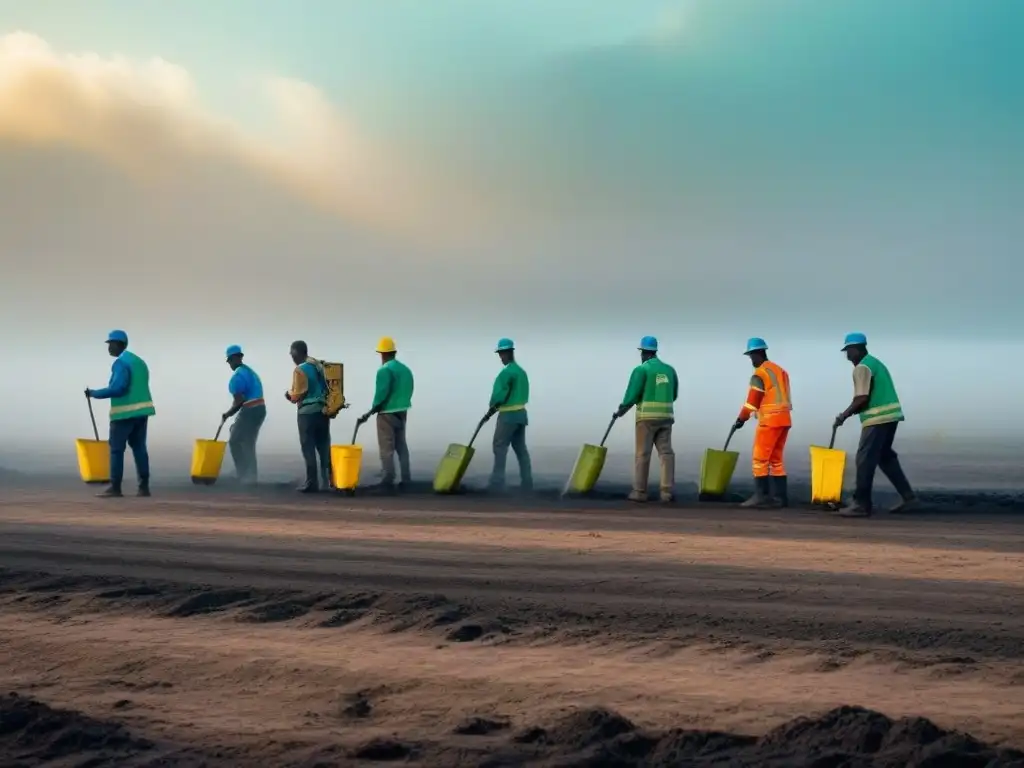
308	487
906	504
666	498
144	489
762	497
854	509
638	497
113	492
781	491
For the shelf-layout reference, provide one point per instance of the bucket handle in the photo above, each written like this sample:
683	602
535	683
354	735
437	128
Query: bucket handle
729	438
609	430
92	417
833	440
216	437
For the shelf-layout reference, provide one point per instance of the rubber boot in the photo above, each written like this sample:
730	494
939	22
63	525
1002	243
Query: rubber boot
780	490
762	494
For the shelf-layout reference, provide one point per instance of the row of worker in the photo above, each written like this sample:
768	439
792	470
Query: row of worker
652	390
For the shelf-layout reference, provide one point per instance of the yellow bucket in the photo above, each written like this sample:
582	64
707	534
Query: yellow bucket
207	457
346	461
93	460
827	468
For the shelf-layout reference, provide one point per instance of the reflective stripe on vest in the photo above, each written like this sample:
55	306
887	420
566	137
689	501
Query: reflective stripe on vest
117	410
510	408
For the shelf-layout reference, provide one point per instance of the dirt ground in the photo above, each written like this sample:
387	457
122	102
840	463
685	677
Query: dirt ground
227	630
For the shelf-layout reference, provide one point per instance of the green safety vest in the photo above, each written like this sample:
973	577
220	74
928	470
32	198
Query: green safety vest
400	396
883	402
511	375
137	401
659	391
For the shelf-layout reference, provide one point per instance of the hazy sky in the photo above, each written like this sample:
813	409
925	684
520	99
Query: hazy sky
574	174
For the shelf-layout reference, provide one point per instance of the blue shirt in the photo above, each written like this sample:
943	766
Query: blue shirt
245	382
120	378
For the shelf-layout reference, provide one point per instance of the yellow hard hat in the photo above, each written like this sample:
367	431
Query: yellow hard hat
386	344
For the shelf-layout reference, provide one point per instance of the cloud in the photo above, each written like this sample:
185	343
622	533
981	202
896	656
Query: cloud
147	120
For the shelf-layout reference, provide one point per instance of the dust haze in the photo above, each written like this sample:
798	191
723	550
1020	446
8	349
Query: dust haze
690	179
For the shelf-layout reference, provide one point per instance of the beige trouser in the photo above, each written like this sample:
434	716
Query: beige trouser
652	434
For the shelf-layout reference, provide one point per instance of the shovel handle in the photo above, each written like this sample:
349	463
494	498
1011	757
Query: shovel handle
92	418
609	430
356	431
216	437
729	438
476	431
833	440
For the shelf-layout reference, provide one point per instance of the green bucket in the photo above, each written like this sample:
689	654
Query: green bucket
716	470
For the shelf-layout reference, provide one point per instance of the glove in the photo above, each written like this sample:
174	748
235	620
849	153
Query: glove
839	421
490	413
88	392
739	424
224	416
365	417
288	396
620	412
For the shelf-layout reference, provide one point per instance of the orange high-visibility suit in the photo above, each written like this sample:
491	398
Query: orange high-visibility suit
768	398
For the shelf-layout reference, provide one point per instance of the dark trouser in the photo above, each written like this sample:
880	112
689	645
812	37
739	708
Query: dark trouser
129	433
391	440
875	451
510	432
244	431
315	438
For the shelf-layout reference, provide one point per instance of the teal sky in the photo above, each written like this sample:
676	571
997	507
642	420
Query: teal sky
574	174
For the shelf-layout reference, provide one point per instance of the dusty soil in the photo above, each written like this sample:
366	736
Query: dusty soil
220	629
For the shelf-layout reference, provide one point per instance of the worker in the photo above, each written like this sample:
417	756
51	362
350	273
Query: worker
131	405
247	390
309	393
769	400
509	397
392	399
876	402
653	388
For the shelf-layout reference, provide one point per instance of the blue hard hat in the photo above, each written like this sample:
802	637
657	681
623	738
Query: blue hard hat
648	344
234	349
755	344
117	336
504	345
852	339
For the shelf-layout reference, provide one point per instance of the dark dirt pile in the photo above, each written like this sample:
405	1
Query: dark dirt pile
847	737
33	734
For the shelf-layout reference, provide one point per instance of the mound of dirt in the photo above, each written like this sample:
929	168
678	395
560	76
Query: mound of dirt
851	737
31	733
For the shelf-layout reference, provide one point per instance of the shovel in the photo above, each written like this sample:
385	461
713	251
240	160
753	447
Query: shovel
716	470
588	466
455	462
828	465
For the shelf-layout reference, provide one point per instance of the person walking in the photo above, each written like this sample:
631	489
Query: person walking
653	388
392	400
509	397
131	405
768	397
309	394
251	409
876	403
